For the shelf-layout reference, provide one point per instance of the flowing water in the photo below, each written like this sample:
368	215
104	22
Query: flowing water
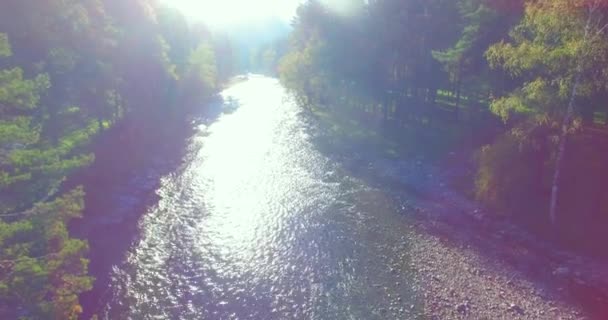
259	224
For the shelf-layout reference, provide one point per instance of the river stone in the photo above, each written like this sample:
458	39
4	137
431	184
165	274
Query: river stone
517	309
462	308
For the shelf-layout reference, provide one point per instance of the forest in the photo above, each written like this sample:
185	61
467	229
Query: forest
518	87
70	71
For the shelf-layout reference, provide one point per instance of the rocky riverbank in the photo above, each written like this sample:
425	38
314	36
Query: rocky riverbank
472	265
468	263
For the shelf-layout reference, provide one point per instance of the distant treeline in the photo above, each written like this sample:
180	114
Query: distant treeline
525	80
71	70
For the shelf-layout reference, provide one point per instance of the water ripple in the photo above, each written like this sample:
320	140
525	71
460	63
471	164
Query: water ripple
258	225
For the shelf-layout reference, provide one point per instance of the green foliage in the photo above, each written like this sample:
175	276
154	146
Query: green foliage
72	70
514	172
25	155
19	94
535	97
43	270
5	46
18	130
176	32
297	73
547	52
540	66
477	17
202	66
557	57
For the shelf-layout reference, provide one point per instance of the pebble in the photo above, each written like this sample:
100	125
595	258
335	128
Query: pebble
462	308
517	309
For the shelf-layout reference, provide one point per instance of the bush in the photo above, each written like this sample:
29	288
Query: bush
514	173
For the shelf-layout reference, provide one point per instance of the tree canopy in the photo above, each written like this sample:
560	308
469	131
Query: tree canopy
69	71
521	82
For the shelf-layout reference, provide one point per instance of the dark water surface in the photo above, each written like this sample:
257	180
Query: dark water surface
258	224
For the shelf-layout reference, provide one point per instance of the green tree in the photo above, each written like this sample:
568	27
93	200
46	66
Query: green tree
559	52
42	270
462	59
73	71
202	67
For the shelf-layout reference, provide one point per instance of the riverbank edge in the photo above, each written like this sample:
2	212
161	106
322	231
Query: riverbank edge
557	281
132	155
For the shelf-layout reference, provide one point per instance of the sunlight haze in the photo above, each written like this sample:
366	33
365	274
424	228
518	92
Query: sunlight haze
223	13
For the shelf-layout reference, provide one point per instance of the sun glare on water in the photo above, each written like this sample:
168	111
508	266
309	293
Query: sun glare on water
225	13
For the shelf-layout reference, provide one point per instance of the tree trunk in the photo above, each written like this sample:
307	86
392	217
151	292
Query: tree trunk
385	109
561	151
458	87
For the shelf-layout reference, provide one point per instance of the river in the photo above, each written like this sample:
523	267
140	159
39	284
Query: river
253	211
259	224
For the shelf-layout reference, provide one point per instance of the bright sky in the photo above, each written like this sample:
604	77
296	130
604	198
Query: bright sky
222	13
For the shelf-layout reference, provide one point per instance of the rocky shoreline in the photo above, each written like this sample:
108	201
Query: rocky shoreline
471	265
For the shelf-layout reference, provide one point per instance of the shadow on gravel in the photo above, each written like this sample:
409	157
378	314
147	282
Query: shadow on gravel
438	210
120	186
